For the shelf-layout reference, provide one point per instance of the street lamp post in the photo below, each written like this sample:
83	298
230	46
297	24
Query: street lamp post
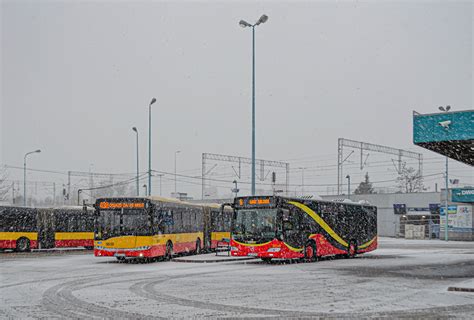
245	24
144	186
138	168
175	154
235	189
149	145
24	174
441	108
348	177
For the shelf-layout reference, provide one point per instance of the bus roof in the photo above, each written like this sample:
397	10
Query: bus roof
338	201
164	199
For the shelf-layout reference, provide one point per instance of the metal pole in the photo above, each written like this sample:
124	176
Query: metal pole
253	110
24	181
348	186
24	174
69	187
138	168
446	203
175	183
149	150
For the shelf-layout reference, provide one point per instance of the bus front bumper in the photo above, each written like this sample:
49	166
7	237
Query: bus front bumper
273	249
141	252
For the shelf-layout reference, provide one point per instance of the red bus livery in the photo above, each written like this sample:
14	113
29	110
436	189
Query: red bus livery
289	228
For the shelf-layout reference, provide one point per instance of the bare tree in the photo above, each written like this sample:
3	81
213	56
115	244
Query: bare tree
5	186
409	180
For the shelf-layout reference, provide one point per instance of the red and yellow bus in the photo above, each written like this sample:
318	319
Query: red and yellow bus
291	228
151	227
23	229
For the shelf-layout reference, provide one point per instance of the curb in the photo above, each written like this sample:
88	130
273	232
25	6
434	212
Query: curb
461	289
211	261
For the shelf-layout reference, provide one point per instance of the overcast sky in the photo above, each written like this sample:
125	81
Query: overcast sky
76	77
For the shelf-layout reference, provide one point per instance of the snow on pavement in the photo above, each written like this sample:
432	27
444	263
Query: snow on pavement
403	278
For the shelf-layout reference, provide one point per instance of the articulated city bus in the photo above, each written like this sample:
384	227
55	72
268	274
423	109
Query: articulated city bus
151	227
288	228
23	229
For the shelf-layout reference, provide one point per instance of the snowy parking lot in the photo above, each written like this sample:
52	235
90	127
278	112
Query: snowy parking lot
403	278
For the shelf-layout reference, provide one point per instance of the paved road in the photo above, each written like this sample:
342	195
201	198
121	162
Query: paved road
403	278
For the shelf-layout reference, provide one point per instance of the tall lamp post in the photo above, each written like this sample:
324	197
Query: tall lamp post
24	174
348	177
441	108
235	190
245	24
175	154
138	168
144	186
149	145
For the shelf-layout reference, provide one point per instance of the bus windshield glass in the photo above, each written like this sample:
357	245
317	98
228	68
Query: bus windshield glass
255	225
122	222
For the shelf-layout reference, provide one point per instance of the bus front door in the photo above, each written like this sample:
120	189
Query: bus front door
207	227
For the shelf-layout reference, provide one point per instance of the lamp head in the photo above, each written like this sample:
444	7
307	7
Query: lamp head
448	108
152	101
38	151
135	129
244	24
441	108
262	19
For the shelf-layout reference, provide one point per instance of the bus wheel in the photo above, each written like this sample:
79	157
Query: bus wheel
120	259
169	251
310	251
267	260
89	248
22	245
198	247
351	251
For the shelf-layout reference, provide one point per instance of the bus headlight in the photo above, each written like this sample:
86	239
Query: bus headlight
274	250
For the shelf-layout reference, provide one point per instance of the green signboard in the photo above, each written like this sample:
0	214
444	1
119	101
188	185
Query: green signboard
462	195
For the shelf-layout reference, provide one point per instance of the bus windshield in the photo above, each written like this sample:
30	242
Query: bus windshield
255	225
122	222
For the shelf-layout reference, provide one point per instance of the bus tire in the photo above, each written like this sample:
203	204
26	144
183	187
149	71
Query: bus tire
89	248
22	244
266	260
351	250
120	259
310	252
198	246
169	251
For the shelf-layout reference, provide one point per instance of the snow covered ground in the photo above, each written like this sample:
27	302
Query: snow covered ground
403	278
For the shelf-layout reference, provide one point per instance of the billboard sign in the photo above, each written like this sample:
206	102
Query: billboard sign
462	195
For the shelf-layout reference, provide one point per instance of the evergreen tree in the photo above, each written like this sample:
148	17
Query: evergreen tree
365	187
